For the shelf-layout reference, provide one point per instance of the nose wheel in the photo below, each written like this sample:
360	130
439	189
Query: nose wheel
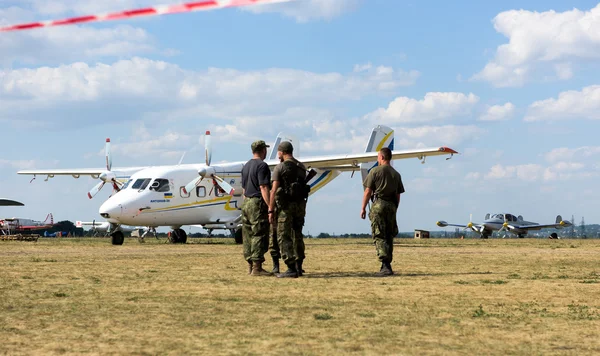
117	238
177	236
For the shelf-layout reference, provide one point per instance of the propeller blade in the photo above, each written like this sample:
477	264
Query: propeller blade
191	185
224	185
208	148
95	190
108	155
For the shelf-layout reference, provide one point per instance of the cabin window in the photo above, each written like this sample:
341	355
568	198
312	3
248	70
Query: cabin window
200	192
160	185
183	193
141	183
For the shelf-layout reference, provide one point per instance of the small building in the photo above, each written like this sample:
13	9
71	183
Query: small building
421	234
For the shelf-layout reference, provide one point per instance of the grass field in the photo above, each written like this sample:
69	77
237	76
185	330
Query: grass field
517	296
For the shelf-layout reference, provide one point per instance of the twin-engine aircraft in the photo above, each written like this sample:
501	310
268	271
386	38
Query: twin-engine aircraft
506	222
211	195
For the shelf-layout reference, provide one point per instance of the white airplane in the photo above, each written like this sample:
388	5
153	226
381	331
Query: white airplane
211	195
104	227
506	222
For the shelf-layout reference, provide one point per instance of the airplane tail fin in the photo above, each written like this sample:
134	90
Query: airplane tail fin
49	219
381	136
272	154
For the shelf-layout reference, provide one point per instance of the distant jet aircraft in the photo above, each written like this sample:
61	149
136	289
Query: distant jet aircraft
506	222
19	225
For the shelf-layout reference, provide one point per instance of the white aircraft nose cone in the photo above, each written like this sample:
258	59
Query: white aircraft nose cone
110	210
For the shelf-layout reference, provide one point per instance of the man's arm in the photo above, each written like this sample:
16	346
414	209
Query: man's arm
272	201
266	193
365	201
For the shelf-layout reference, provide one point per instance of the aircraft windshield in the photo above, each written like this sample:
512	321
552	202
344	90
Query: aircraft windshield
141	183
160	185
126	184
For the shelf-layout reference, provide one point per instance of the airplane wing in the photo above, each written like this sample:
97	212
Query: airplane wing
539	227
9	202
351	162
124	172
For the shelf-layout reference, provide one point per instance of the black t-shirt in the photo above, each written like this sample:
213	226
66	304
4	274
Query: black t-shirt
254	174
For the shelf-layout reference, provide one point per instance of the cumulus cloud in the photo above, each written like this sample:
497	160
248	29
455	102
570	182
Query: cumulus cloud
307	10
157	86
435	106
498	112
541	41
569	154
572	104
560	171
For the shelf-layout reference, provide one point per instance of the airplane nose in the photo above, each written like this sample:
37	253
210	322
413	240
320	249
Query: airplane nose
110	210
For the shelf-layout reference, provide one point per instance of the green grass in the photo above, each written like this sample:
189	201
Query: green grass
455	297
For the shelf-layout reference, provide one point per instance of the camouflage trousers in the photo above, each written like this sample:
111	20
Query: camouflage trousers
384	228
289	231
273	243
255	229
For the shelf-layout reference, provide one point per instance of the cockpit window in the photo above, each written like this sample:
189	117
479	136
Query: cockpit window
141	183
126	184
160	185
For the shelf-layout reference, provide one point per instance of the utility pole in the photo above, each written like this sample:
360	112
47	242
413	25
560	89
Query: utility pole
582	228
572	232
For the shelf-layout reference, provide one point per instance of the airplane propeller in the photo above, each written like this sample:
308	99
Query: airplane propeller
208	171
506	227
107	176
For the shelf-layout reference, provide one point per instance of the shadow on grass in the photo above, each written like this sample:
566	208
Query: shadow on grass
396	274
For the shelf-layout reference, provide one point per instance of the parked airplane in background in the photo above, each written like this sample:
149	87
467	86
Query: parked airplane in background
211	195
506	222
9	202
20	225
104	227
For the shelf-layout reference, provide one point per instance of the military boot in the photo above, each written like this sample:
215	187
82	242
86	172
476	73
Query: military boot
249	267
275	265
299	268
257	269
389	266
386	270
290	273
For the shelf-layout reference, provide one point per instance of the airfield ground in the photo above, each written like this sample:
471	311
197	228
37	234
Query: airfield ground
84	296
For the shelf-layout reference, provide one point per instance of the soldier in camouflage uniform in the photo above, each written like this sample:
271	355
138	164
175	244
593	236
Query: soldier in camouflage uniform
256	180
289	197
383	183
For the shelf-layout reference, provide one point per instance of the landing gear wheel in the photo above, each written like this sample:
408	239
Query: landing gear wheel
178	236
521	236
117	238
237	235
554	236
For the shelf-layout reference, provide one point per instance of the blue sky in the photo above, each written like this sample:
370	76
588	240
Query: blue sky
513	86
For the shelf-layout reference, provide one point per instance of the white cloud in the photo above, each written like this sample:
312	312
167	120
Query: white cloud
584	104
307	10
435	106
498	112
542	41
560	171
569	154
167	91
527	172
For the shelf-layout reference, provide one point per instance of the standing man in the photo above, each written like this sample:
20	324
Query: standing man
256	181
289	196
384	183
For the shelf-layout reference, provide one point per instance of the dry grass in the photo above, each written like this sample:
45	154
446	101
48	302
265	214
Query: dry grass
448	297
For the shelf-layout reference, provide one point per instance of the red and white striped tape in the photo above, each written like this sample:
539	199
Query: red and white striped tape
148	11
